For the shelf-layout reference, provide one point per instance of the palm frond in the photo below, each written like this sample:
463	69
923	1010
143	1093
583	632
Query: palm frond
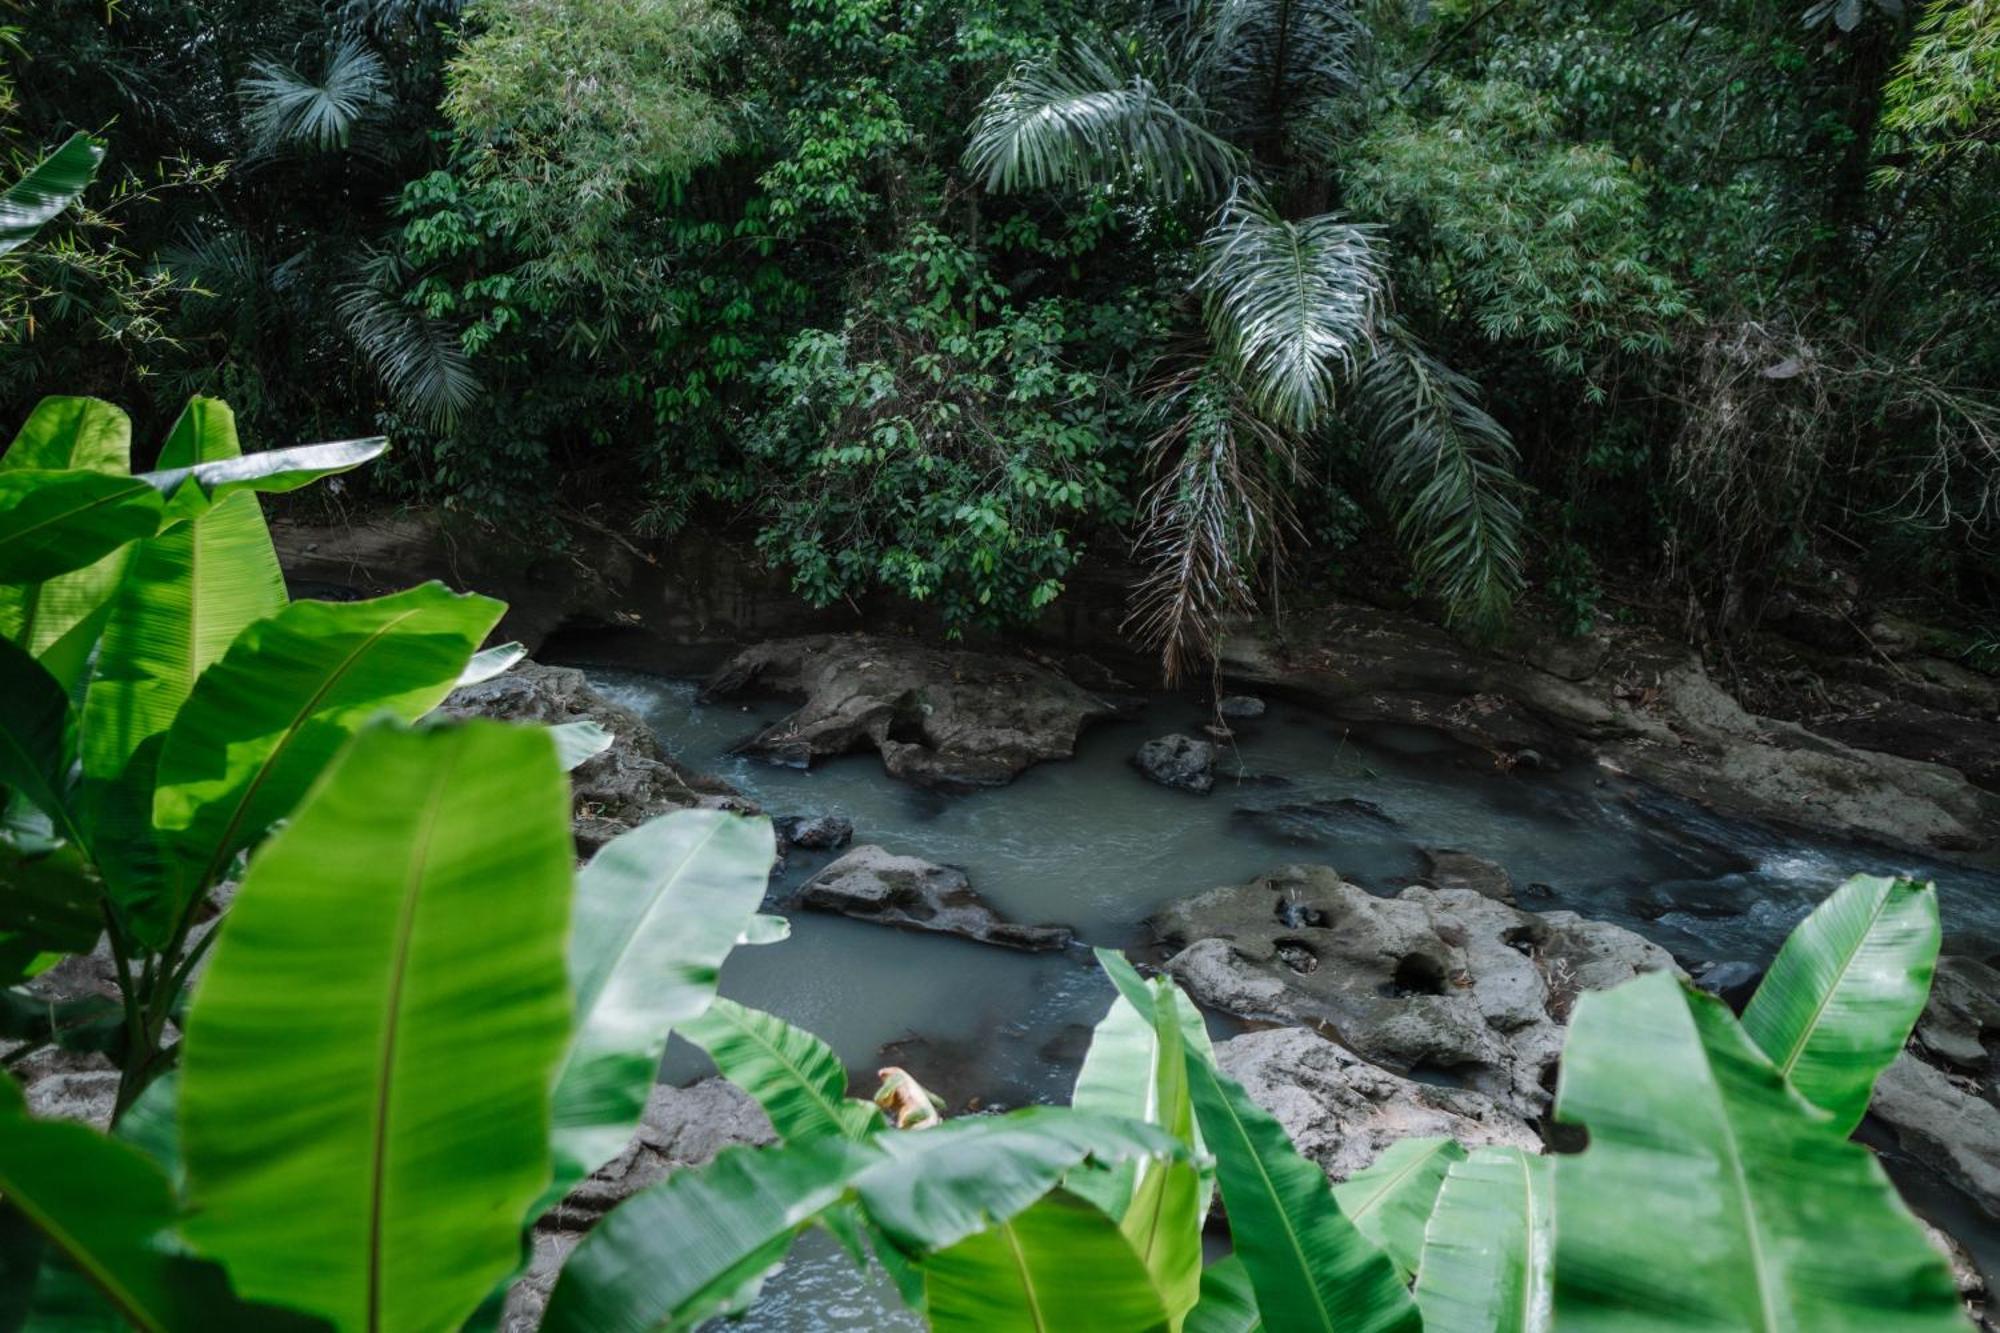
1081	117
1221	502
1269	68
420	360
1446	471
283	108
1292	304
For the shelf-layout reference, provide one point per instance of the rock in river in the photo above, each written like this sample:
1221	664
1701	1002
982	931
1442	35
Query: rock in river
816	833
939	716
1439	979
1938	1098
629	783
877	885
1178	761
1240	706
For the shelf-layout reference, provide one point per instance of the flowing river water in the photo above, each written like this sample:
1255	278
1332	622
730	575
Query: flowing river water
1091	844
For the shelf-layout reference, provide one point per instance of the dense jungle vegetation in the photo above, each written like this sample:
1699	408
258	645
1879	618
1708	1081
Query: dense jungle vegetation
1454	299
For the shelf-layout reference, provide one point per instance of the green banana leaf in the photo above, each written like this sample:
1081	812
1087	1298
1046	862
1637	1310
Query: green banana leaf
58	620
1711	1195
265	719
1849	984
37	736
101	1205
53	184
577	743
1310	1267
1391	1200
1059	1265
365	1087
700	1243
793	1075
53	522
1489	1254
191	489
152	1124
937	1186
187	593
50	900
1227	1304
490	662
656	912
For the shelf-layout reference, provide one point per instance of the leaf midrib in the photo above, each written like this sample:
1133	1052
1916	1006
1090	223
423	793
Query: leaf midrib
1285	1217
413	884
82	1256
785	1061
66	514
1847	961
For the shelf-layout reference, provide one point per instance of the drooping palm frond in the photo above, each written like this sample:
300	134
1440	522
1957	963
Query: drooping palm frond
420	360
1269	68
1220	504
1082	117
283	108
1291	304
1446	471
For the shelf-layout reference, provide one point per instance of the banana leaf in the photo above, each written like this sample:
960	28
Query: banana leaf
365	1090
1711	1195
1391	1200
793	1075
53	184
1489	1253
1059	1265
1849	984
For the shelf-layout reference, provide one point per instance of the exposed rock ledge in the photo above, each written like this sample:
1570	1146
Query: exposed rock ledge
1442	979
872	884
1635	705
938	716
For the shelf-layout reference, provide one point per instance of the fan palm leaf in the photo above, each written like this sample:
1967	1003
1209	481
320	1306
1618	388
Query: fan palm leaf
283	108
1084	117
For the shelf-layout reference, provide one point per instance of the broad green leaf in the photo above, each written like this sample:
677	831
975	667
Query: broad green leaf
938	1186
765	928
36	736
104	1208
1060	1264
1227	1304
579	742
1711	1195
58	621
491	662
379	1028
1488	1257
192	488
265	719
54	522
1310	1267
50	899
187	593
701	1242
53	184
1849	984
65	433
1391	1200
152	1125
793	1075
656	912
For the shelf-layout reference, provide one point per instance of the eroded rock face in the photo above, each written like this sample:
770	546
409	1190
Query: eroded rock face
1442	979
938	716
877	885
628	783
1942	1120
682	1127
1341	1111
1178	761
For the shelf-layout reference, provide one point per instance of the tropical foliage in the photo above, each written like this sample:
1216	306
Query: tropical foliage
937	302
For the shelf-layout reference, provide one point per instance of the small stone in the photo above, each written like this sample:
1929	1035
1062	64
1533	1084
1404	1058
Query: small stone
1178	761
817	833
1240	706
873	884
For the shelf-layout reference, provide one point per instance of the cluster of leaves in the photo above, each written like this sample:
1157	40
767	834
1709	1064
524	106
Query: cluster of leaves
942	445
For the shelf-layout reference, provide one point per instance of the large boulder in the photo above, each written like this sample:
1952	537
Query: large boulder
1341	1111
938	716
630	782
1178	761
877	885
682	1127
1446	980
1941	1120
